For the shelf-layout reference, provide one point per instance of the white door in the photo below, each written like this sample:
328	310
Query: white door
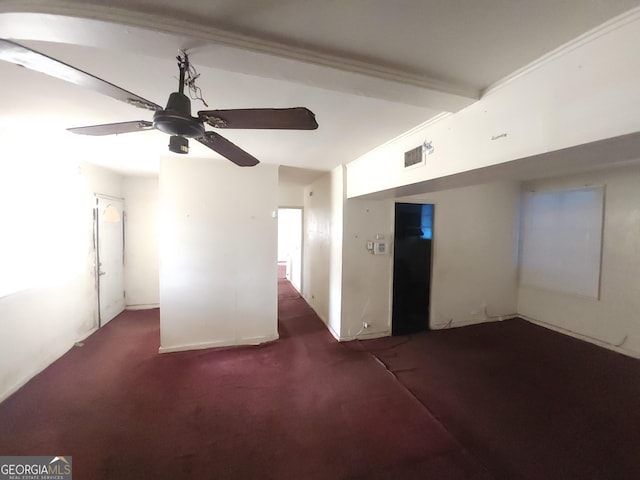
110	229
290	243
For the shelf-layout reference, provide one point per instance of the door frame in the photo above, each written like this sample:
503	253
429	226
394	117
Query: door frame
432	260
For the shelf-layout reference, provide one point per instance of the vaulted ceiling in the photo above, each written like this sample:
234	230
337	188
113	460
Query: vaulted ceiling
369	69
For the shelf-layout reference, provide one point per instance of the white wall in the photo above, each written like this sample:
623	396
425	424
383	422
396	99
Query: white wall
290	195
141	274
41	323
100	180
322	257
475	252
218	249
613	318
588	92
367	279
474	258
317	246
336	249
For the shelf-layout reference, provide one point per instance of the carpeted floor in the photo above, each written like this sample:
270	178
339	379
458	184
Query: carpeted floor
529	402
507	400
304	407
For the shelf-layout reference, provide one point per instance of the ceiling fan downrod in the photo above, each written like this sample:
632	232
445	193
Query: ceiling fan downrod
183	65
176	119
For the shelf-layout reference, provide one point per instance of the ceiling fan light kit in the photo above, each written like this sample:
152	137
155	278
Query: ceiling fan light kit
175	119
178	144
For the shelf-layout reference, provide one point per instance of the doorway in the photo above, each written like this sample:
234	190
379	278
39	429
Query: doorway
110	258
413	237
290	245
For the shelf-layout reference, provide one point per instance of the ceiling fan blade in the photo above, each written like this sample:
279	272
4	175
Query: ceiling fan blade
23	56
229	150
113	128
299	118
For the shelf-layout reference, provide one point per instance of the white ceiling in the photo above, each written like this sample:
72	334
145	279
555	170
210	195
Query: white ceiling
468	42
369	69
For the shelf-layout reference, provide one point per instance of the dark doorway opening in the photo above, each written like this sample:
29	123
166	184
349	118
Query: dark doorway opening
412	268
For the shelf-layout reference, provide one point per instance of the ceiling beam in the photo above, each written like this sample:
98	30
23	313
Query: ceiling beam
152	34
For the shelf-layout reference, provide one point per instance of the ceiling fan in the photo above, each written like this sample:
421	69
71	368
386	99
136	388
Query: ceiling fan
175	119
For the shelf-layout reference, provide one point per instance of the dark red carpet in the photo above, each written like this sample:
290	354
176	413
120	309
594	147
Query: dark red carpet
529	402
304	407
506	400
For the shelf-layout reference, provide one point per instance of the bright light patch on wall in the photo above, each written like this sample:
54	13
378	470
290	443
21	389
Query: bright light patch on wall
45	234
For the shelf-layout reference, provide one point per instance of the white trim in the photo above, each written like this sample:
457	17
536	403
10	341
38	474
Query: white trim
143	306
219	343
191	29
332	331
335	334
25	378
468	323
583	337
104	196
365	336
86	335
593	34
46	363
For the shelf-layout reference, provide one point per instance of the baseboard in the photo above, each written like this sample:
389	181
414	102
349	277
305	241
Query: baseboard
308	300
467	323
463	323
86	335
145	306
366	336
219	344
321	317
585	338
23	381
48	361
332	331
335	334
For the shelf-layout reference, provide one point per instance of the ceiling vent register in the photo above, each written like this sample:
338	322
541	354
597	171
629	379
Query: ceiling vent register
418	155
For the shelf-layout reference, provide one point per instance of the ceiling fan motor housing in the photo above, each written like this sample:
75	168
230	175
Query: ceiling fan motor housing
176	118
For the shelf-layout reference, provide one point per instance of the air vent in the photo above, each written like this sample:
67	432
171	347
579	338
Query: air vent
418	155
413	157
